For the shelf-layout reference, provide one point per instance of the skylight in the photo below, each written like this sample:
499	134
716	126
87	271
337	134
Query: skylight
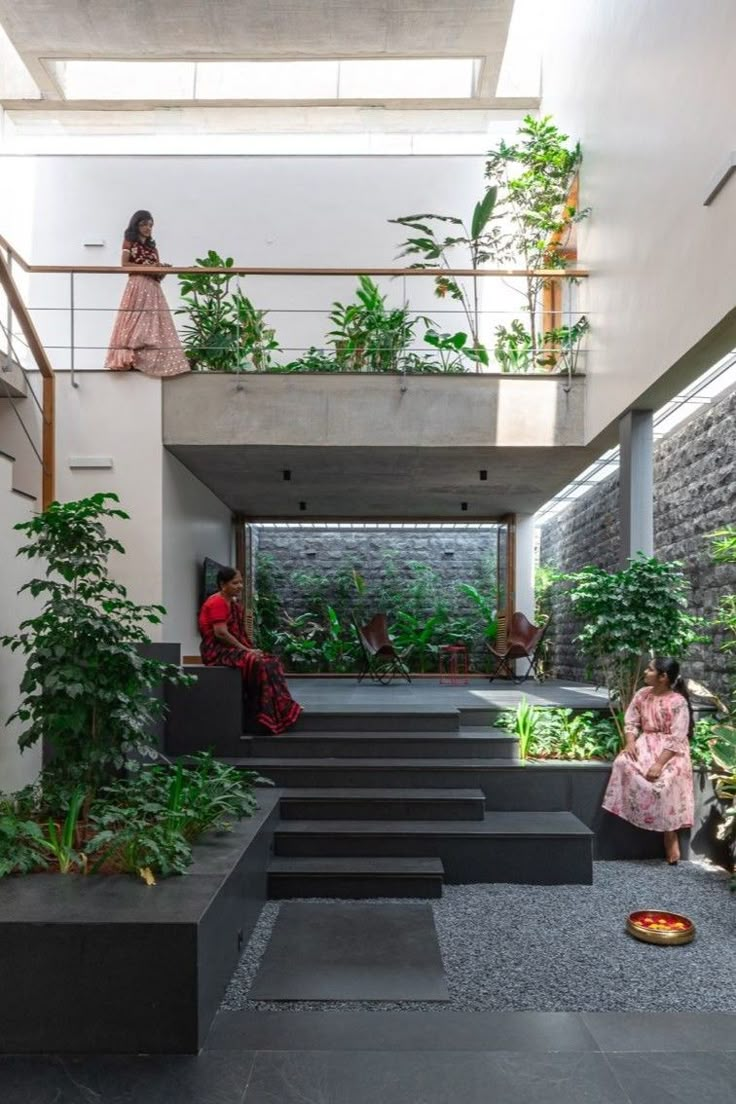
350	79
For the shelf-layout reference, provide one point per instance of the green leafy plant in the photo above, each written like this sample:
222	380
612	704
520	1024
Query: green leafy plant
60	840
486	606
367	335
559	348
514	348
435	247
723	550
533	177
524	726
564	734
453	350
223	331
702	740
86	689
313	360
626	617
130	841
21	843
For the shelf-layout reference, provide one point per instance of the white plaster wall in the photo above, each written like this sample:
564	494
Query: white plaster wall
16	769
195	524
117	417
648	86
269	211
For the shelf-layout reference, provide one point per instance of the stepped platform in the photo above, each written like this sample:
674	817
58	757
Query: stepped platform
386	791
477	703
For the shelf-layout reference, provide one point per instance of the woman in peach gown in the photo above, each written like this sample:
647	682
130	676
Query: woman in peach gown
651	782
144	337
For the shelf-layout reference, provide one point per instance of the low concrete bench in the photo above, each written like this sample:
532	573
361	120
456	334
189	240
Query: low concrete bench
209	714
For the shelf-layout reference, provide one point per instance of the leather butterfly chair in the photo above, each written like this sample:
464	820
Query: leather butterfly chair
381	662
524	641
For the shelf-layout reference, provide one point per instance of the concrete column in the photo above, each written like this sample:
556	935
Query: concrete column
524	564
636	484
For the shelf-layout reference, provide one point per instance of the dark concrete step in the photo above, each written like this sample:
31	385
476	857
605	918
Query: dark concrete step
382	718
532	848
356	878
508	784
382	804
491	744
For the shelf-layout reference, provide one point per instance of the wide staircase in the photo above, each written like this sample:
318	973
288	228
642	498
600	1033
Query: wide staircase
394	803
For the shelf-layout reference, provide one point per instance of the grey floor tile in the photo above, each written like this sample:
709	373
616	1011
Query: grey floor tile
676	1078
438	1078
401	1031
668	1031
352	951
207	1079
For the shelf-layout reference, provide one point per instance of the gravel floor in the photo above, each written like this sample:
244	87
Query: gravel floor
563	948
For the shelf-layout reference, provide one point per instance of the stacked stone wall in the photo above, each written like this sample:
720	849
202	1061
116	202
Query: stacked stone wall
379	555
694	494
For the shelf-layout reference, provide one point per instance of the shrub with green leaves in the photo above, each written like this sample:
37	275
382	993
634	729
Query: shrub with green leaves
557	733
86	690
627	616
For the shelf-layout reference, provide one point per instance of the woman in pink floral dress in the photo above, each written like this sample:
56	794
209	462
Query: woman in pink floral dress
144	337
651	782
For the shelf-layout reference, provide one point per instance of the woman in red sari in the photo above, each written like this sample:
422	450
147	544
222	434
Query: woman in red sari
144	336
226	643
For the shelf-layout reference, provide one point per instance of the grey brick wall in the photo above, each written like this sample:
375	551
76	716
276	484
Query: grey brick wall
694	494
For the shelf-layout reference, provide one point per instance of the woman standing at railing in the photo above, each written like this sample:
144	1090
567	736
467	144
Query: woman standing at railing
144	337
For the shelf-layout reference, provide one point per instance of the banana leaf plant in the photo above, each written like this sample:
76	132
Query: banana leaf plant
437	237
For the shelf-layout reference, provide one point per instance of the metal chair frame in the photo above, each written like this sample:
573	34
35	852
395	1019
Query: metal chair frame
518	648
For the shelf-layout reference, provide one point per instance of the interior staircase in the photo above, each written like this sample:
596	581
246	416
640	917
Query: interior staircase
395	803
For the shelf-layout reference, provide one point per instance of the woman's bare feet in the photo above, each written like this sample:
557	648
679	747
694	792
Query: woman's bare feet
672	848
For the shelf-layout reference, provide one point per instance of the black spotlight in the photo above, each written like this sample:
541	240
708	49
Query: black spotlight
286	473
483	475
302	505
463	505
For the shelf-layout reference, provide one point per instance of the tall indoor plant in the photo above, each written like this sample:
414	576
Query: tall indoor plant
533	178
626	616
86	690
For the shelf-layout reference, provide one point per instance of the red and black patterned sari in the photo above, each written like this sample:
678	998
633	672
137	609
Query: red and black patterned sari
263	676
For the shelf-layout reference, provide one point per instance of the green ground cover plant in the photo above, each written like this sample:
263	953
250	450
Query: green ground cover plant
556	733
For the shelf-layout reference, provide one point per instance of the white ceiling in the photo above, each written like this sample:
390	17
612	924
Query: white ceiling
43	30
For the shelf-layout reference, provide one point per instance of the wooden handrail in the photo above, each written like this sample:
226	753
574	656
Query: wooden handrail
154	270
48	422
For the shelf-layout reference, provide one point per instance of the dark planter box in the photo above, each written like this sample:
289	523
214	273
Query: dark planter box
107	965
585	784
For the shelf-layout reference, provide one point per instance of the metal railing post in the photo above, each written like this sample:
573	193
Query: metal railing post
72	359
9	258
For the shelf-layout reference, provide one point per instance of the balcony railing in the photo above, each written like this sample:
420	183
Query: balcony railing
286	320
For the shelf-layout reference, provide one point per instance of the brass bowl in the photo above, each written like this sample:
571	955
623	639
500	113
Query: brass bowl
668	929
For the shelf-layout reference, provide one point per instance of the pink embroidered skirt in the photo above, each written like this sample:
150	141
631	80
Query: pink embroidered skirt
144	335
661	806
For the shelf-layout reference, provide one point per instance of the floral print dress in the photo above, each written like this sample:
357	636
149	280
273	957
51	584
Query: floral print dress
660	722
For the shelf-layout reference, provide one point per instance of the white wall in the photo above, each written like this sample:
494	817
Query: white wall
269	211
16	769
117	416
195	524
648	86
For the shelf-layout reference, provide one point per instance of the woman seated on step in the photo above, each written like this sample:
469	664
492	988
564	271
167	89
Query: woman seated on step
225	643
651	782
